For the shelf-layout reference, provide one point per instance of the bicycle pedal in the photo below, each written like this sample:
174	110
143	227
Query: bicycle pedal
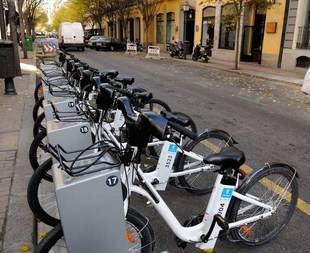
173	182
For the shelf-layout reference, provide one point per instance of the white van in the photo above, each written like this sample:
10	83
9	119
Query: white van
71	35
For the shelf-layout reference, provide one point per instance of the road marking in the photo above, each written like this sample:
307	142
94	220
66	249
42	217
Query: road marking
301	204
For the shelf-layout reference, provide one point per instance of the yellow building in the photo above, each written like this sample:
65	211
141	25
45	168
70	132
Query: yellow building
260	31
174	21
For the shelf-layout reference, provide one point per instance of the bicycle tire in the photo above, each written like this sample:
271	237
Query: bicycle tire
37	127
36	108
33	194
35	145
256	177
37	90
138	221
184	182
158	102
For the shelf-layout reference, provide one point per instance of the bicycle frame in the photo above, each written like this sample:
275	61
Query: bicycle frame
218	204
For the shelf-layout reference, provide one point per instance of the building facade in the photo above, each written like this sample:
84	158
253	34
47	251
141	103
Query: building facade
296	47
174	21
260	31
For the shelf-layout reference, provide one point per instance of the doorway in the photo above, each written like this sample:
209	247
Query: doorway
189	28
131	30
253	36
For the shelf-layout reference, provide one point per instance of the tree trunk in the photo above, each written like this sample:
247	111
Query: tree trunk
22	27
13	29
125	27
2	22
237	46
146	32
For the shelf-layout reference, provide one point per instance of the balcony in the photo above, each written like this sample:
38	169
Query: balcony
303	40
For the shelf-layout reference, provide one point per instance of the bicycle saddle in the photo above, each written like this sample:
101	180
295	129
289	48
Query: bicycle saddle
125	80
143	95
230	157
175	118
138	90
110	74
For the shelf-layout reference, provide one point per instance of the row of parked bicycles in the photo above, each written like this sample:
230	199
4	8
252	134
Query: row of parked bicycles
98	139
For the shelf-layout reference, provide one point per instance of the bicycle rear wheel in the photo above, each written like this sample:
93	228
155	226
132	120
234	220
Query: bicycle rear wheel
202	182
275	185
139	234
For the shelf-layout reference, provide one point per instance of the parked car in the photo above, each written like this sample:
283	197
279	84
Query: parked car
109	43
93	40
71	35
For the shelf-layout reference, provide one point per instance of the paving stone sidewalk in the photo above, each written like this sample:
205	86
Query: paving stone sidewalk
15	170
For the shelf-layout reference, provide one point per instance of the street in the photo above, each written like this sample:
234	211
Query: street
270	121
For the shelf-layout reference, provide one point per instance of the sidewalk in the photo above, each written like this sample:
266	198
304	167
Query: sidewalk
15	170
250	69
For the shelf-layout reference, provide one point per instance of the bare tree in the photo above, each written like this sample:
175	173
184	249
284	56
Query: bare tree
30	8
13	30
237	17
96	12
22	26
122	8
148	9
110	12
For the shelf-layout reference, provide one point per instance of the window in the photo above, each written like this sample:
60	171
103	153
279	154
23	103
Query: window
303	62
208	20
170	27
160	28
228	27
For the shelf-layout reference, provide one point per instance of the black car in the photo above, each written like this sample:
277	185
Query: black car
109	43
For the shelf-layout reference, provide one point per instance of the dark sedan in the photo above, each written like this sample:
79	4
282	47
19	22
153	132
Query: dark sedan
109	43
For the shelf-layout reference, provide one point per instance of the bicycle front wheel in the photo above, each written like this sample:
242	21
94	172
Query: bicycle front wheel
274	185
38	152
138	230
38	91
37	109
39	125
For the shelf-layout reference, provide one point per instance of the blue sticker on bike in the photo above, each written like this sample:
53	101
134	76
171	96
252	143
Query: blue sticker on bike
227	193
172	148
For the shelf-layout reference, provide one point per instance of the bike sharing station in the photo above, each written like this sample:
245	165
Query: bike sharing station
77	210
95	171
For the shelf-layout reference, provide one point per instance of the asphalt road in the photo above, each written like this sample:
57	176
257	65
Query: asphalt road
270	120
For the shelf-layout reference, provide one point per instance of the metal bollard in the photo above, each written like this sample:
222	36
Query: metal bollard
9	86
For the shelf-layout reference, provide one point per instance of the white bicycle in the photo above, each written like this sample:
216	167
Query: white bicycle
252	212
